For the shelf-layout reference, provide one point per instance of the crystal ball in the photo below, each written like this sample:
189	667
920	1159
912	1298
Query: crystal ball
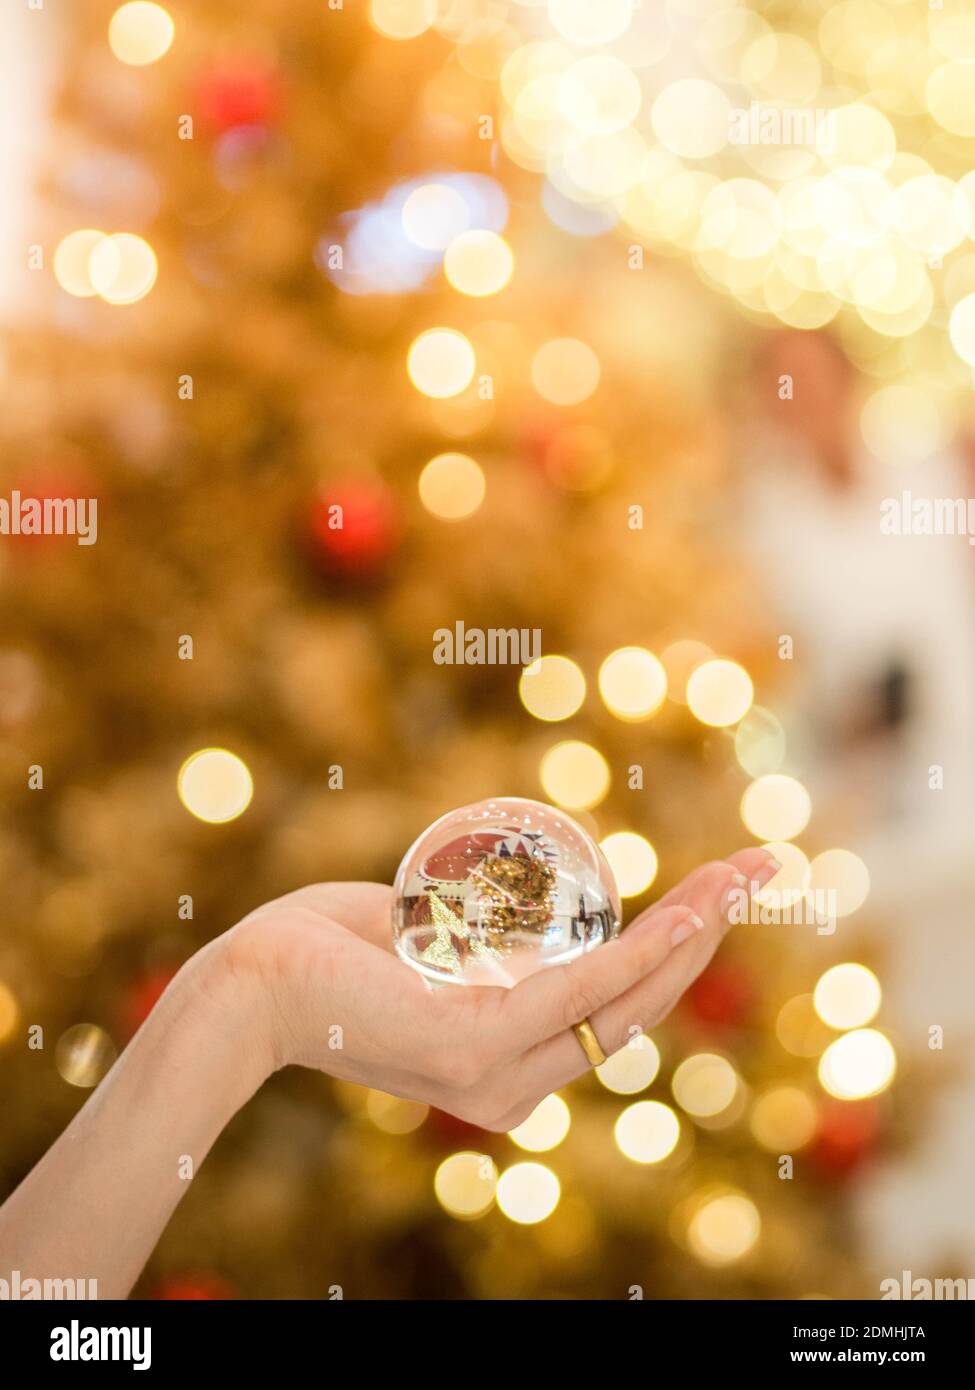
497	890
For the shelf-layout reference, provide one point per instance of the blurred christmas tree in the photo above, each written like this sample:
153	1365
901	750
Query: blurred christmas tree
296	491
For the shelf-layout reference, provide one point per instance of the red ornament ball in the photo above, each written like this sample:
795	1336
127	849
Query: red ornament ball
722	997
242	92
355	528
193	1287
846	1137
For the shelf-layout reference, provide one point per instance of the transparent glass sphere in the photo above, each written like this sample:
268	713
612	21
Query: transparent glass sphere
492	892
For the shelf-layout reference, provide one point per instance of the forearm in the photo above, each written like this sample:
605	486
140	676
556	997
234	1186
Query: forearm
98	1201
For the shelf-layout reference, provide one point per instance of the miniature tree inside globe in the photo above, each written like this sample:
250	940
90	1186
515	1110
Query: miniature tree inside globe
494	891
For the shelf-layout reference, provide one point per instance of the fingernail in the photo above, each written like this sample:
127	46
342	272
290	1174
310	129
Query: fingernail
687	929
767	872
738	882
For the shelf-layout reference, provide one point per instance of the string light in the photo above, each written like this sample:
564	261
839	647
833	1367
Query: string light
844	876
565	371
393	1115
847	996
546	1126
857	1065
719	693
776	807
123	268
72	262
465	1185
632	1068
705	1084
83	1055
783	1119
9	1012
574	775
215	785
633	861
552	688
528	1193
633	683
452	486
140	33
647	1131
402	19
724	1228
441	362
478	263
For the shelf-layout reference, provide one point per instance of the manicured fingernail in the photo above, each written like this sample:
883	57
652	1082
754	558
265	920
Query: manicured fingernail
767	872
687	929
738	882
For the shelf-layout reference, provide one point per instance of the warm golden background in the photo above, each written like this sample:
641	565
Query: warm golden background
745	348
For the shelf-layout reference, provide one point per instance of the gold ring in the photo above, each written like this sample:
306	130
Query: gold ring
589	1042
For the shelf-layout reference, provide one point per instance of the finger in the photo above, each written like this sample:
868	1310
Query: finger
560	1059
362	908
754	865
553	999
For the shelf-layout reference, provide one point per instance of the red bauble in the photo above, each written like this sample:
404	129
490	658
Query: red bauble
142	997
191	1287
448	1129
846	1137
722	997
46	485
355	528
242	92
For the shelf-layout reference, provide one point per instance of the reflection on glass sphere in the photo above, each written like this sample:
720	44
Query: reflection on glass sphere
495	891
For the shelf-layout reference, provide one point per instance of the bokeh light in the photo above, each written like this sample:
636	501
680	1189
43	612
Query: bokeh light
843	875
72	262
783	1119
647	1131
632	682
704	1085
776	807
552	688
724	1228
587	24
433	215
574	775
719	693
140	33
478	263
84	1053
760	742
857	1065
633	861
123	268
465	1184
393	1115
847	996
565	371
9	1012
799	1028
452	486
402	19
632	1068
528	1193
215	785
546	1126
790	883
679	660
961	328
441	363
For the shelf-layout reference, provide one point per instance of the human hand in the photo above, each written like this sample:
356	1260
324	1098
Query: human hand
334	996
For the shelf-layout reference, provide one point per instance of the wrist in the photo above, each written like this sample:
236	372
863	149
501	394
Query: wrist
222	1003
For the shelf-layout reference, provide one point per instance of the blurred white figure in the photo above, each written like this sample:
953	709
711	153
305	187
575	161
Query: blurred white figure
883	684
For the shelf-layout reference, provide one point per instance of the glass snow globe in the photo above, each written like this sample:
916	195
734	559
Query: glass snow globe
497	890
